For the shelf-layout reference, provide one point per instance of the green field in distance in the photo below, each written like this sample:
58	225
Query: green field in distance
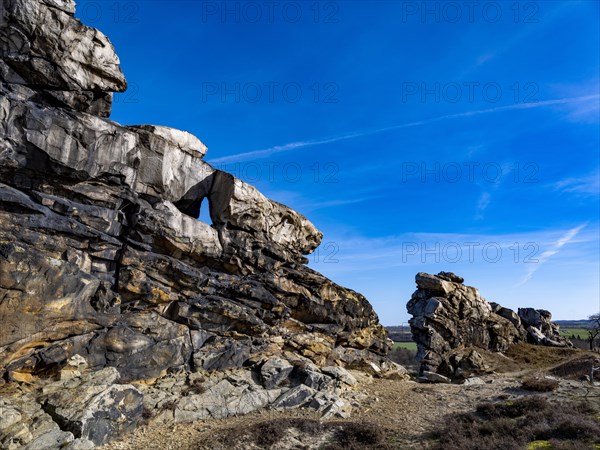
580	333
407	345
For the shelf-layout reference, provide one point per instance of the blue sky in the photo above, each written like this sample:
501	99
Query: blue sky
417	136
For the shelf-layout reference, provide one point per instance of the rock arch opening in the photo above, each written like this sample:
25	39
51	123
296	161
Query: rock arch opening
198	209
204	214
196	202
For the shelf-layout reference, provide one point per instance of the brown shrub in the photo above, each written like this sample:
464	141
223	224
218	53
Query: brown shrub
539	384
514	424
575	368
269	433
358	436
346	435
147	415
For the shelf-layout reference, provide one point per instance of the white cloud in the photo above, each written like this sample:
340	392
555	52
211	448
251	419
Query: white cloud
483	203
338	202
550	252
415	248
587	185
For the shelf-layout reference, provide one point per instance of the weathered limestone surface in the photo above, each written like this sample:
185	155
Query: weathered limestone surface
451	321
103	260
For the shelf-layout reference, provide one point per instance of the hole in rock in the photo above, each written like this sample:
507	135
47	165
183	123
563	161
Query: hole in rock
204	215
195	203
198	209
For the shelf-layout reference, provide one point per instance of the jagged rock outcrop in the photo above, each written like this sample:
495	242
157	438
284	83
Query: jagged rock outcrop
451	321
539	326
65	62
103	258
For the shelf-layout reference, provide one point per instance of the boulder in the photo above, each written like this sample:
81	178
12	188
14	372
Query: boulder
294	397
95	407
239	205
430	283
341	374
274	371
78	413
540	329
530	317
433	377
536	335
509	315
339	409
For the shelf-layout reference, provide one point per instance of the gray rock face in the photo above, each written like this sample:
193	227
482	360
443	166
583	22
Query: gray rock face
274	371
295	397
540	329
78	413
94	408
25	425
44	46
450	320
103	260
217	394
433	377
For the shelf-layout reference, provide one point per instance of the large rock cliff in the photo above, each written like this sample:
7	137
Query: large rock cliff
452	321
103	260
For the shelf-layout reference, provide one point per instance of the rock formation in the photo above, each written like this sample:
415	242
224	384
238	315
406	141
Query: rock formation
452	321
108	277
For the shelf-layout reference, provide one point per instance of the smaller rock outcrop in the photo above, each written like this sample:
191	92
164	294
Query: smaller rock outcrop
539	326
451	321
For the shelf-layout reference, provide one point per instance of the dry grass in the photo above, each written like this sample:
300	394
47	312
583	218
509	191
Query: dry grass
515	424
529	356
268	434
539	384
576	368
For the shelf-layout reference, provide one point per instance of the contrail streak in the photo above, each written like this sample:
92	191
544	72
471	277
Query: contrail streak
257	154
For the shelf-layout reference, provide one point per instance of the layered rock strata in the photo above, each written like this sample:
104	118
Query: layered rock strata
103	259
